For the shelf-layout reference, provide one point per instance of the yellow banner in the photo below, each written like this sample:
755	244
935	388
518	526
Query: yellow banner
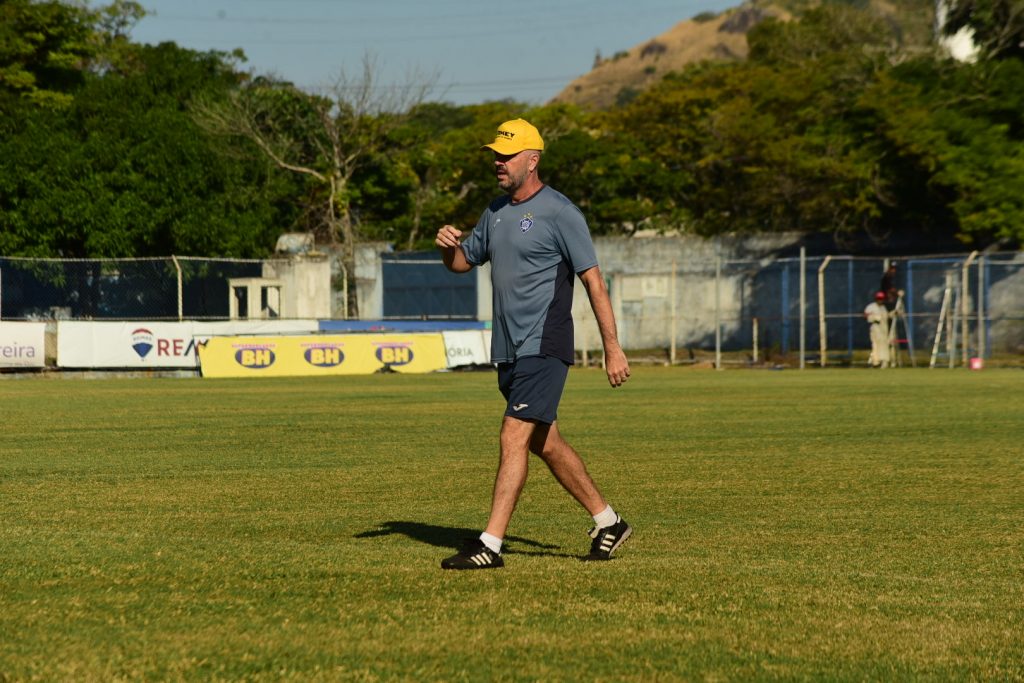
351	354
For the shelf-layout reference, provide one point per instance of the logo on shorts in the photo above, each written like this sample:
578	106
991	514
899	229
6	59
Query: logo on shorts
526	223
520	406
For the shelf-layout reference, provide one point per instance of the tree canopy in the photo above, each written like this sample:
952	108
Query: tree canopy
112	148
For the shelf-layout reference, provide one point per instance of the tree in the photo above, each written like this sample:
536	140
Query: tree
47	47
425	165
954	139
324	137
773	143
125	171
43	48
820	33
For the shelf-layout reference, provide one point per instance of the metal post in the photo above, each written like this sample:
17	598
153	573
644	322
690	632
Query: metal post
943	310
675	321
908	303
822	328
849	309
951	328
785	308
177	267
755	341
965	310
718	313
984	278
803	305
982	350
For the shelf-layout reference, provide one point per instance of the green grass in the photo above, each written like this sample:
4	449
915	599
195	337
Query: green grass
834	525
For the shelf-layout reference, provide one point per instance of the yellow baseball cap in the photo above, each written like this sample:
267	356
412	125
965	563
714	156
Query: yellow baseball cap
514	136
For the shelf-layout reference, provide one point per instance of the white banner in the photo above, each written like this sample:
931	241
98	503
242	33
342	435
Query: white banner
82	344
468	347
22	345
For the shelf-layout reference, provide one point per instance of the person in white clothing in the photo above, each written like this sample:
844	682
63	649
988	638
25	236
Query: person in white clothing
877	316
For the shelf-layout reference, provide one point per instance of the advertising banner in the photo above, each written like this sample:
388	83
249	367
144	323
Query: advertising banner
153	345
468	348
357	354
22	345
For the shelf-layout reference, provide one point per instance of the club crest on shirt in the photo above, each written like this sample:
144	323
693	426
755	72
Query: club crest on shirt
526	223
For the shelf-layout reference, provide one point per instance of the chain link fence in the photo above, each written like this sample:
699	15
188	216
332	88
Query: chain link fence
810	307
814	307
174	288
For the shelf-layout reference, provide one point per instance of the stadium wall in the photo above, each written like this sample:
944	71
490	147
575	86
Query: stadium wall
667	291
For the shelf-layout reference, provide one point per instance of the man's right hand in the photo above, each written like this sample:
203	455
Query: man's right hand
448	237
448	242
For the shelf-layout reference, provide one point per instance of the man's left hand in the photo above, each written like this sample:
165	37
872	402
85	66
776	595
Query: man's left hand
617	367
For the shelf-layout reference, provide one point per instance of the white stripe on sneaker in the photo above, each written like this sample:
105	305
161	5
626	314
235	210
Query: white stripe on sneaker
626	534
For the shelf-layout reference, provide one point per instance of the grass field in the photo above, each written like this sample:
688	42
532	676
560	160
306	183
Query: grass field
834	525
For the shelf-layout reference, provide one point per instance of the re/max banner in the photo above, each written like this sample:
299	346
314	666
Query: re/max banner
355	354
141	344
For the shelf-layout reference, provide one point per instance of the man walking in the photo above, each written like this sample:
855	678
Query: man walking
536	241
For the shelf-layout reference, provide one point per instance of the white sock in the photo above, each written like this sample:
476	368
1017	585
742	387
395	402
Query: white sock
606	517
492	542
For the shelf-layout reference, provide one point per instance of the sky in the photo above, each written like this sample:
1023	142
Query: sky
472	50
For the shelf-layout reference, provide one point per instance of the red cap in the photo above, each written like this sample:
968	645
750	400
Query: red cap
879	295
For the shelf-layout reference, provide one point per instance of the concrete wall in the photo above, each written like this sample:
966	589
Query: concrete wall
306	284
639	272
369	284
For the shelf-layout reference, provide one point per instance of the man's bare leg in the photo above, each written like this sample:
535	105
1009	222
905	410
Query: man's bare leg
567	466
512	469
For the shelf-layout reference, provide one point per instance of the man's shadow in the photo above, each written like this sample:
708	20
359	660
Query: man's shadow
452	537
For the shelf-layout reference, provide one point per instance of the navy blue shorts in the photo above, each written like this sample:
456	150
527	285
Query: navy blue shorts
533	387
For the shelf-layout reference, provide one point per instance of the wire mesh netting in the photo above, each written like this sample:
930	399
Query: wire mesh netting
781	305
776	304
117	289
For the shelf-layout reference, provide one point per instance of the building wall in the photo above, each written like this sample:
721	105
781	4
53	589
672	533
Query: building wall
306	284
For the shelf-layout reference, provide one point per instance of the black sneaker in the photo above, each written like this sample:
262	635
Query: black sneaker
607	540
474	555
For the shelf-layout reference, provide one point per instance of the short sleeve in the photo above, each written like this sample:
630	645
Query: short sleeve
475	247
574	239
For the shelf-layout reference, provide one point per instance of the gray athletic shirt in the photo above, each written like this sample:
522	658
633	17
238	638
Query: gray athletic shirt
535	248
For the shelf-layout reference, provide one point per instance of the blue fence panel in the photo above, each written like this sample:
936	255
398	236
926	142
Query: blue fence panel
417	285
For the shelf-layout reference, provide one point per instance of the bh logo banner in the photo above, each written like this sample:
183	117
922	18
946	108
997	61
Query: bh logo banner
142	341
395	354
255	357
324	355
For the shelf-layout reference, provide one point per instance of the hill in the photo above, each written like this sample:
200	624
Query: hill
708	36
